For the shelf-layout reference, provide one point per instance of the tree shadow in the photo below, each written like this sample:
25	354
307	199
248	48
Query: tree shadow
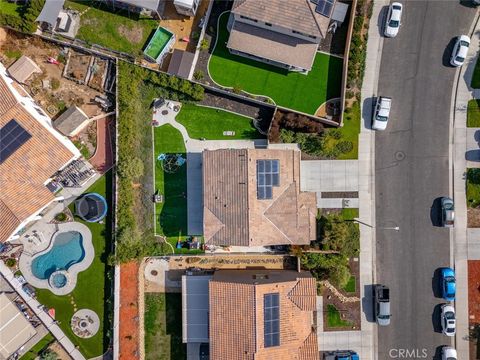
334	78
173	310
472	155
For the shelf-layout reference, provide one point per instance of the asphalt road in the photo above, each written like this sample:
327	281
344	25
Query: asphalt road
412	171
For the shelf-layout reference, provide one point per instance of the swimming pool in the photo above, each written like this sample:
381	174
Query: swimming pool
66	251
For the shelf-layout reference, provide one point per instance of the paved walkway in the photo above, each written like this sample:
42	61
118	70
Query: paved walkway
42	315
464	140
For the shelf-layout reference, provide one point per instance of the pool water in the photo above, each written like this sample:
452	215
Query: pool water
67	250
59	280
158	42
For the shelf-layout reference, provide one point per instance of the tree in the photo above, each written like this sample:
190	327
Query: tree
339	235
49	354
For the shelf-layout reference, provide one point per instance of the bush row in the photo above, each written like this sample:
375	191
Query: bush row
25	20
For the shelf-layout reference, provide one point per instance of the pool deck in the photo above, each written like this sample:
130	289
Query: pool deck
38	243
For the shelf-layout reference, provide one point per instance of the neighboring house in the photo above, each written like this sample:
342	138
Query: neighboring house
22	69
186	7
71	121
153	8
49	14
278	32
252	197
31	152
250	315
181	63
54	18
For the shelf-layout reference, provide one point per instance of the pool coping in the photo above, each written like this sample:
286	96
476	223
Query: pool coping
26	259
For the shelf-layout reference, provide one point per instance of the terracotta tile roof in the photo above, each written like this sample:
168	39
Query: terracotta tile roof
296	15
272	45
234	216
23	174
236	317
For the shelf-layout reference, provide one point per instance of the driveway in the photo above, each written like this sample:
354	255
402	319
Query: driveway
412	171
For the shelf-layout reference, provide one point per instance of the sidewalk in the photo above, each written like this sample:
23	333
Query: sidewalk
462	142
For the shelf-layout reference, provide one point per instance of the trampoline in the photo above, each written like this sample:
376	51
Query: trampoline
91	207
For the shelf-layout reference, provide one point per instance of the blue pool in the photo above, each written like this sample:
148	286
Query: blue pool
67	250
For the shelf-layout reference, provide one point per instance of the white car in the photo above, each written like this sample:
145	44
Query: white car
393	21
448	320
460	50
449	353
381	113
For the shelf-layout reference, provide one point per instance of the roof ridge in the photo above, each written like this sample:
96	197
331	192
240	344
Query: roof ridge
314	17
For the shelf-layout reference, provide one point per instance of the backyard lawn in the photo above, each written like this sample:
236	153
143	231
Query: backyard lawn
473	188
473	113
163	327
93	286
39	347
292	90
113	29
210	123
333	318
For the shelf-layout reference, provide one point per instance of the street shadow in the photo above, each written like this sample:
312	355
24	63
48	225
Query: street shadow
381	20
367	111
436	318
447	53
368	303
472	155
436	212
436	283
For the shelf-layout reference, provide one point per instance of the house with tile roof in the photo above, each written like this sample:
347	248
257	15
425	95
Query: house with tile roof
278	32
252	197
31	152
251	314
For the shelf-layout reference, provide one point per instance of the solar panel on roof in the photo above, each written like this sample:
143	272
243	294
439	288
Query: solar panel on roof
12	136
267	176
325	7
271	319
314	1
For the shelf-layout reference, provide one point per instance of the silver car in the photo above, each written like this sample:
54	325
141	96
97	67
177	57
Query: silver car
448	320
448	212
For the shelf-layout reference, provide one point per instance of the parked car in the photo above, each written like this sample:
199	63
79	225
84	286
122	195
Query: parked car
448	320
448	284
341	355
393	20
381	113
382	305
449	353
460	50
448	212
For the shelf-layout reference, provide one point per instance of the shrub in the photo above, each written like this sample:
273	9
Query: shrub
10	262
61	217
55	83
344	146
204	44
237	89
334	134
198	75
49	354
287	136
473	176
131	169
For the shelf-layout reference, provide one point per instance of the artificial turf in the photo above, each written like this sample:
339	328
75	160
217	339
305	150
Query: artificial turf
333	318
473	113
93	285
292	90
210	123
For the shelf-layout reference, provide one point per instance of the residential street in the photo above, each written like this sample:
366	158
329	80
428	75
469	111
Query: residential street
412	171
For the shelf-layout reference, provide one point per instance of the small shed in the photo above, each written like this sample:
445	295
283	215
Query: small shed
49	14
186	7
22	69
181	63
71	121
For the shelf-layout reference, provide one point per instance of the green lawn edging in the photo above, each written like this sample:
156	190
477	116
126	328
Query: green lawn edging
473	113
292	90
334	319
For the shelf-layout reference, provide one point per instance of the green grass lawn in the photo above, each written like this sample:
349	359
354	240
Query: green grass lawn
476	76
351	129
350	287
163	327
114	29
473	188
93	285
171	215
209	123
473	113
296	91
7	8
333	318
157	43
39	347
349	213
